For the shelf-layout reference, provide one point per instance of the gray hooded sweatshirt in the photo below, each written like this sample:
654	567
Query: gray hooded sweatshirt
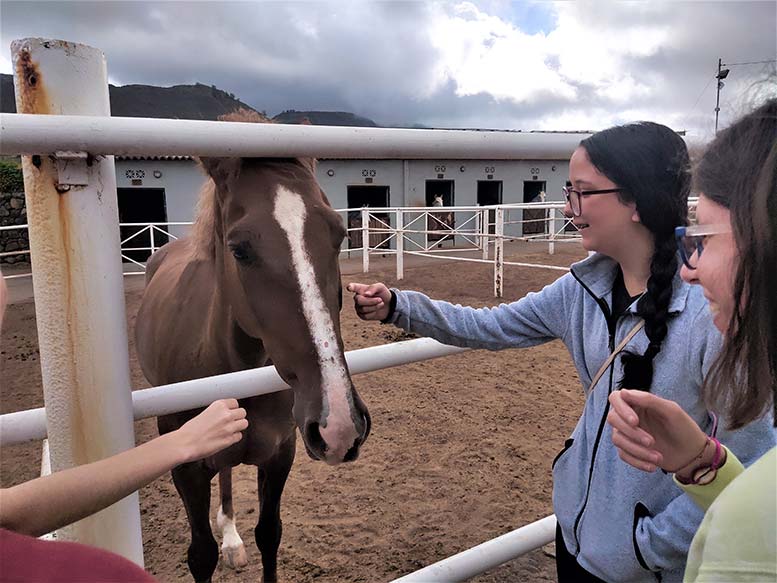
620	523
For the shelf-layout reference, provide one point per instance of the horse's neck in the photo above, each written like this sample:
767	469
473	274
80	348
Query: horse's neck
234	348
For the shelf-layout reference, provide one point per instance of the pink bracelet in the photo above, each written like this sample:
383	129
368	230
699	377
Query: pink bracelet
716	458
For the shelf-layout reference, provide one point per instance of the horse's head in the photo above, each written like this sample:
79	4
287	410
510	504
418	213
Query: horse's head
276	246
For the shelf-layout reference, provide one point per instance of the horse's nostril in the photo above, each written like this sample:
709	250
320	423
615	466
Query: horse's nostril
367	426
352	453
313	438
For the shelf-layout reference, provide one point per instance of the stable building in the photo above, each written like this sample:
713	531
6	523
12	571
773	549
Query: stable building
165	188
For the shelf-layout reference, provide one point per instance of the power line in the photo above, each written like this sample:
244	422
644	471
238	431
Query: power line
702	93
751	63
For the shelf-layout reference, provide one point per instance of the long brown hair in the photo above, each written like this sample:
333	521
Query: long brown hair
739	172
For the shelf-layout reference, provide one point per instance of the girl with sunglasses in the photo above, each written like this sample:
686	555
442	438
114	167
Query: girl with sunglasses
732	255
624	312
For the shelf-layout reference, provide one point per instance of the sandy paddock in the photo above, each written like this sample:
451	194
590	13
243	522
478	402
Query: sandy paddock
460	450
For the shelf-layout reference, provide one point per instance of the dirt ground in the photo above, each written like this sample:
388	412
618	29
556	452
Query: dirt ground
460	449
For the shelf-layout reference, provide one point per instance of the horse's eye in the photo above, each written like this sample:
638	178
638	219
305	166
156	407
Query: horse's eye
242	252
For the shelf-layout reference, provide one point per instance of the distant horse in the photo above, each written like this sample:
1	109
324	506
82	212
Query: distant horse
439	221
256	282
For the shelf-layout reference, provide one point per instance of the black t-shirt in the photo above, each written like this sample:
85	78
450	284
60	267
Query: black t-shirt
621	300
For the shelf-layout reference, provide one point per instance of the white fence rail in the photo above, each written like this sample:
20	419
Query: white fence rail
486	556
476	229
395	231
30	424
51	134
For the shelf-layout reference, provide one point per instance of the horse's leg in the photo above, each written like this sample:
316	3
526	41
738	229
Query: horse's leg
192	481
271	478
232	549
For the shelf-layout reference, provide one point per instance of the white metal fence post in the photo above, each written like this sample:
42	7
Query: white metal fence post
426	230
45	470
552	238
151	229
77	274
365	239
499	244
400	230
485	227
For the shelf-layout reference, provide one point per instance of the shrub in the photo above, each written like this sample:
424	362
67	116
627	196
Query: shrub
11	176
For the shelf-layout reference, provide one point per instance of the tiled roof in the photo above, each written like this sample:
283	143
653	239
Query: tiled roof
154	158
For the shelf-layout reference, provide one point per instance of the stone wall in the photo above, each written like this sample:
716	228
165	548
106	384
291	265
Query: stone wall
13	212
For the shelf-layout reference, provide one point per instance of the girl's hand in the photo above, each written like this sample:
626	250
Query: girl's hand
371	302
650	432
217	427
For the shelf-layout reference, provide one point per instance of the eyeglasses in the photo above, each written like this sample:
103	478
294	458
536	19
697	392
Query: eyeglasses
575	197
690	241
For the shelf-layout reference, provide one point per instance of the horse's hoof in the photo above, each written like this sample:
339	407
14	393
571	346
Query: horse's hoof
235	557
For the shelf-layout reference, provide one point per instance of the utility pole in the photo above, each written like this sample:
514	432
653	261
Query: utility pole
722	74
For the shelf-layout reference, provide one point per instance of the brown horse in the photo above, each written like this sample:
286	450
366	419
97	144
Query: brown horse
257	281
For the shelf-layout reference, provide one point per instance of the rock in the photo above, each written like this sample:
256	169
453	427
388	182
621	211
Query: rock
550	550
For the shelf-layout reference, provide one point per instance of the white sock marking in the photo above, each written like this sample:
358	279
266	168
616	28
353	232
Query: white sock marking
339	432
230	538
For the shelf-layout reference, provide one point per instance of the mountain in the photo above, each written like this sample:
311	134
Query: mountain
324	118
178	102
188	102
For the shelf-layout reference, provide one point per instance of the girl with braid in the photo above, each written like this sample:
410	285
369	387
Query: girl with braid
628	321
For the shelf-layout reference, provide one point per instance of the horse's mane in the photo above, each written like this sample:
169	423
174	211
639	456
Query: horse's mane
202	235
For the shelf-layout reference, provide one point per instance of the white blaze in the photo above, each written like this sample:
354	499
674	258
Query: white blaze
339	432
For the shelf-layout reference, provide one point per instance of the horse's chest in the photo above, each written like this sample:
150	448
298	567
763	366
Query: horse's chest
270	427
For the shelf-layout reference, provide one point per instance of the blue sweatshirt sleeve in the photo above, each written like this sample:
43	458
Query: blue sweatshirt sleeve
536	318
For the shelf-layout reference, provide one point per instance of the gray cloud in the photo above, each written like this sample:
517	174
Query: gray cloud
379	59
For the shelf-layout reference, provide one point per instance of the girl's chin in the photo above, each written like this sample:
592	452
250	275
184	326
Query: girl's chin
586	242
719	320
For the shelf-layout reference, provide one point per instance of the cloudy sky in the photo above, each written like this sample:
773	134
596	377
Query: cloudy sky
487	64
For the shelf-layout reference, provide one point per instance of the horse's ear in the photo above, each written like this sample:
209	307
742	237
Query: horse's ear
221	170
309	163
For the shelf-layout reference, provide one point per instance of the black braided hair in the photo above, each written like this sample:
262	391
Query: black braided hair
650	162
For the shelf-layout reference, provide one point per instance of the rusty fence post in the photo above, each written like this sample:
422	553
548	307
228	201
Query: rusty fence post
77	277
